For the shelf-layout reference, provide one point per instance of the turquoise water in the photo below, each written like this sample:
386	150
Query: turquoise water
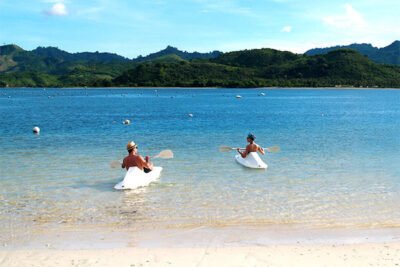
339	164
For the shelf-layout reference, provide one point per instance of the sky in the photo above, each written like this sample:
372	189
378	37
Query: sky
132	27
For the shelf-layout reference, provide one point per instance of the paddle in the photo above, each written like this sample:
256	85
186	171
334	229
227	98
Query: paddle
272	149
165	154
115	164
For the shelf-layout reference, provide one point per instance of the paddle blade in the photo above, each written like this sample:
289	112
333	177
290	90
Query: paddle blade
165	154
274	149
115	164
225	148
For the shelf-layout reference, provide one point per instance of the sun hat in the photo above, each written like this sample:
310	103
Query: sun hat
131	145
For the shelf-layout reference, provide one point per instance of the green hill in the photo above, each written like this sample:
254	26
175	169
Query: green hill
256	58
52	67
170	58
169	50
56	67
7	53
192	74
63	56
266	67
385	55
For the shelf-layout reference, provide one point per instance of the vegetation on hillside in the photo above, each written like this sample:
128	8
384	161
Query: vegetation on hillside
385	55
266	67
51	67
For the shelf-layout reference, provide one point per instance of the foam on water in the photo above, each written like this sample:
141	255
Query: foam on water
338	166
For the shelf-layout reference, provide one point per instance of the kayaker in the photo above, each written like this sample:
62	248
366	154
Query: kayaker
251	147
135	160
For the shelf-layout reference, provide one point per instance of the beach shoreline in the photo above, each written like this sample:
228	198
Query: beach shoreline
378	254
203	246
75	237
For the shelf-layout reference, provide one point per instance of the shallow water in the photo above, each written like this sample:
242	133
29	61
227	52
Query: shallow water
338	166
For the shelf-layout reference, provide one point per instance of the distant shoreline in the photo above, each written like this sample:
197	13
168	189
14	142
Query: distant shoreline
202	88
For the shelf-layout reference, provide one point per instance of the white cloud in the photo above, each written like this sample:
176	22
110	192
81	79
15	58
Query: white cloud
287	29
351	19
58	8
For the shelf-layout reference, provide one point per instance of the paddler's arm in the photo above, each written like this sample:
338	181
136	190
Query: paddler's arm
261	150
123	164
146	164
243	154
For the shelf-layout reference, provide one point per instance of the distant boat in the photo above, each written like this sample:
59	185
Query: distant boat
262	94
238	96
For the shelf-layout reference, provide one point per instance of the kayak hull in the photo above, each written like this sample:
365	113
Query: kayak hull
135	178
252	160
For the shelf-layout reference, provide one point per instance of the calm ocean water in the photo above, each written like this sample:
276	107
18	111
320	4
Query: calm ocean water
339	164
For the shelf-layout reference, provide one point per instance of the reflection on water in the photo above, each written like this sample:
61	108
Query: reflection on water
338	165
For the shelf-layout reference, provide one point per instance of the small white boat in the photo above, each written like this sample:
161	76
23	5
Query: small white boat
252	160
135	178
238	96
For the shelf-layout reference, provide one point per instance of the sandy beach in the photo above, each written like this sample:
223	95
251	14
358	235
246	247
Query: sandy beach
283	255
241	246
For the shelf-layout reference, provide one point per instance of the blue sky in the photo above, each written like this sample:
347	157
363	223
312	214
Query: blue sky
132	27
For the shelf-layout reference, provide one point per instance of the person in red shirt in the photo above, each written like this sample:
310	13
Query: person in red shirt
135	160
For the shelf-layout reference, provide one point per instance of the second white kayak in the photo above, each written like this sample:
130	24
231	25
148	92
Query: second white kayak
252	160
135	178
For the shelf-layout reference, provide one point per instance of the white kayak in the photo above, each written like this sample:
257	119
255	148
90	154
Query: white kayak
135	178
252	160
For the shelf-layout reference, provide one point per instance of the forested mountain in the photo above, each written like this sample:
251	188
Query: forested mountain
266	67
52	67
54	52
180	54
385	55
